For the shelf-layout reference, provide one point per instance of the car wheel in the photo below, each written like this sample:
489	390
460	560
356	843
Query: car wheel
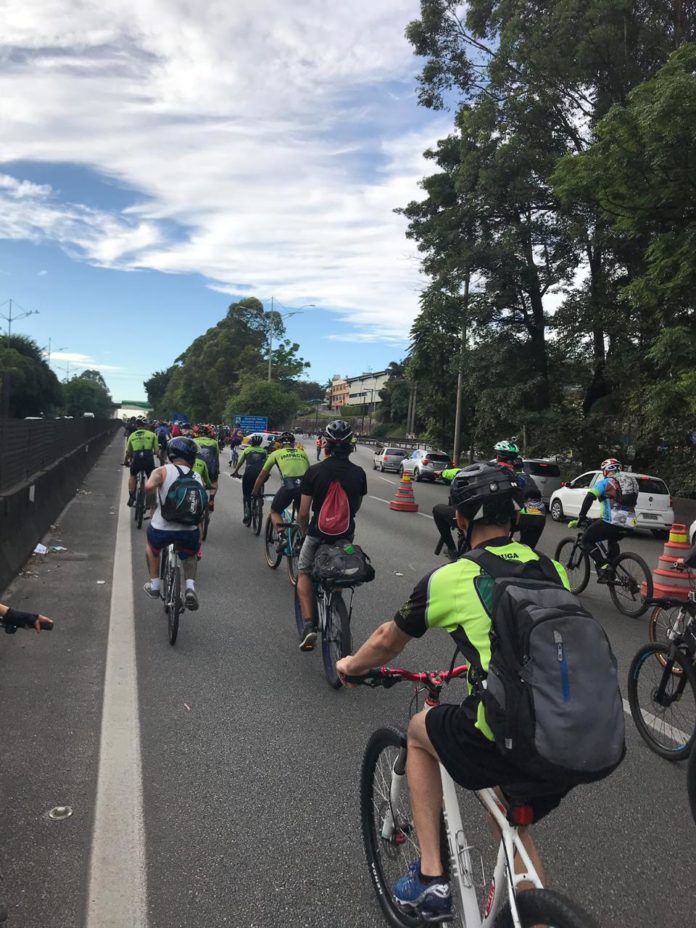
660	532
417	475
381	468
557	510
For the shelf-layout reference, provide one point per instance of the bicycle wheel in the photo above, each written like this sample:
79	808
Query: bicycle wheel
335	637
205	525
663	703
545	907
691	783
164	578
576	562
139	502
630	574
256	516
294	546
389	850
174	602
273	556
663	623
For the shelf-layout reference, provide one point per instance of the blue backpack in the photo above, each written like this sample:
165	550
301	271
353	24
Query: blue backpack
186	500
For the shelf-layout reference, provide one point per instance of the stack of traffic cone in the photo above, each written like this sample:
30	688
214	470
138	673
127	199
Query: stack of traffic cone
671	583
404	501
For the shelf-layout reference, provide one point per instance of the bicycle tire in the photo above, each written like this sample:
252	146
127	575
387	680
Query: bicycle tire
139	502
578	574
545	907
256	516
273	556
335	637
175	603
691	783
634	588
164	579
660	622
295	544
388	859
206	525
677	730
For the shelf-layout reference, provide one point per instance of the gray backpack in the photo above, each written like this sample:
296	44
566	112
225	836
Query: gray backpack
551	695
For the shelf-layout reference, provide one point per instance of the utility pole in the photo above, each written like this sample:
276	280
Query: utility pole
270	340
460	375
10	318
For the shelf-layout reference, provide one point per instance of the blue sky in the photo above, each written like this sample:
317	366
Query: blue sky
161	159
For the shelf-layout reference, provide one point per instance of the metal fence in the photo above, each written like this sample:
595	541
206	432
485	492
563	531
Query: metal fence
27	446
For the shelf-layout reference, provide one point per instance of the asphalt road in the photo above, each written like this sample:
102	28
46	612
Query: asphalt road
248	766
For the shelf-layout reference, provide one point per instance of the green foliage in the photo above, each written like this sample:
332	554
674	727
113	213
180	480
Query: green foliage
257	397
156	387
33	388
84	394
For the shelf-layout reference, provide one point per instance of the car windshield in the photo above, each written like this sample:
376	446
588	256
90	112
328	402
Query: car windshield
542	469
653	485
396	451
436	456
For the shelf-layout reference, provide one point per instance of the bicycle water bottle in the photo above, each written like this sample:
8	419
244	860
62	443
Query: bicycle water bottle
348	549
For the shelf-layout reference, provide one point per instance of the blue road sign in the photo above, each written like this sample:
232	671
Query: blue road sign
252	423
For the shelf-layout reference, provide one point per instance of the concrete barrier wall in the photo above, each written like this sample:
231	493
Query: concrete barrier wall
28	509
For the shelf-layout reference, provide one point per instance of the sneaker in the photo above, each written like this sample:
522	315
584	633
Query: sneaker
604	574
151	591
191	600
451	554
211	505
431	901
309	637
131	501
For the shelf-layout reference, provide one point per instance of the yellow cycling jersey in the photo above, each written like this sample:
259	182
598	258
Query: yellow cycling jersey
291	462
142	440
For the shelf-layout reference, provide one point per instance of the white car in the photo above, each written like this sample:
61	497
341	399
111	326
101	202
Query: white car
653	509
692	533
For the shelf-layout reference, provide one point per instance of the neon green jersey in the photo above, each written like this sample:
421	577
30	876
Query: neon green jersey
142	440
201	468
206	442
291	462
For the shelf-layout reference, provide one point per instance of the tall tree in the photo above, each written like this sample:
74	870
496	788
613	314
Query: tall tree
28	386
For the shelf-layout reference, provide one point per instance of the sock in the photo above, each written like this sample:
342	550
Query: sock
433	879
155	583
190	584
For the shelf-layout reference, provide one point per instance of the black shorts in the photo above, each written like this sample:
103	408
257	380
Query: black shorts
475	762
285	497
142	461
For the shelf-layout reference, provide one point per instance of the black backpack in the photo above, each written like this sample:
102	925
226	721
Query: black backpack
342	563
551	695
186	500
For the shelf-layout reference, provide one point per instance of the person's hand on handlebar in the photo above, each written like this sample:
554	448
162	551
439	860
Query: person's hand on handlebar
577	523
343	669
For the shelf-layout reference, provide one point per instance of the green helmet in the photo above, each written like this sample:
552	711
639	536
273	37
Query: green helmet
506	451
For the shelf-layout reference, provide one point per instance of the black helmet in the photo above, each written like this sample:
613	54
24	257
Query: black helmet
256	440
485	491
287	438
338	430
184	448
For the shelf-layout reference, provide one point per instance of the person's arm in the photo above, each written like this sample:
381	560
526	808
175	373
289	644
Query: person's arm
155	480
303	514
590	498
240	461
24	619
263	476
382	646
363	492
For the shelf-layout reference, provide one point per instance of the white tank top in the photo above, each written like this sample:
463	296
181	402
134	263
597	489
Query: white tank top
157	521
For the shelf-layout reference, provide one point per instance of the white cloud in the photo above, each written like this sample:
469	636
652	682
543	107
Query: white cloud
270	132
42	273
78	361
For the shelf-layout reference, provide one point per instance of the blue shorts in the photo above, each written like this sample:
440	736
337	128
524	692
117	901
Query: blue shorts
186	543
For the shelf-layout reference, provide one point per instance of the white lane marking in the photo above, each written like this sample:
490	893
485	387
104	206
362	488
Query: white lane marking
379	499
386	479
676	734
117	894
425	515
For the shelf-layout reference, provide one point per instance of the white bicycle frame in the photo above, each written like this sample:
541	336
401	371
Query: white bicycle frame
461	865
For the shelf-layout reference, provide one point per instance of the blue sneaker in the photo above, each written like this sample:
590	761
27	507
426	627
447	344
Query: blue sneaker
432	901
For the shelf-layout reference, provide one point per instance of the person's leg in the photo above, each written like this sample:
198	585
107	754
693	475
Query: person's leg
594	533
531	528
188	551
248	481
613	534
135	466
153	562
305	591
425	789
443	516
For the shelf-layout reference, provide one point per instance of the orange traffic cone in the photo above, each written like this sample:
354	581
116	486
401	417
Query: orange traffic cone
404	501
668	582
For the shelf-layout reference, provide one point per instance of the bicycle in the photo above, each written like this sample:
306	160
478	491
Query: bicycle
629	573
205	525
390	839
139	507
662	693
670	617
170	590
333	619
284	541
234	455
257	512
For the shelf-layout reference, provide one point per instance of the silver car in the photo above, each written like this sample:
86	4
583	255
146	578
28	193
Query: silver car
424	463
388	459
545	474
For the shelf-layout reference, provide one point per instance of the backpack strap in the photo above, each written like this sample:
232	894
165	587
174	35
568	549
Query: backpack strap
500	567
180	473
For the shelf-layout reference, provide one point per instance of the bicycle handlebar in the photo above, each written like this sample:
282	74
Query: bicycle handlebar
389	676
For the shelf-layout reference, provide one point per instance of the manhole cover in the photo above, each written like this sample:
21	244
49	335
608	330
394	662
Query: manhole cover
58	813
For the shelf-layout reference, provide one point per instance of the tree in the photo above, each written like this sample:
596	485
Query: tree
156	387
28	385
83	394
257	397
95	377
394	397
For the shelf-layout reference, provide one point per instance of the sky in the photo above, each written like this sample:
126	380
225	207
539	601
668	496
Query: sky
161	159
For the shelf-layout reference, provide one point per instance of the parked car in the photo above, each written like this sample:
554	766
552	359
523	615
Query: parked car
545	474
388	458
653	509
424	463
267	438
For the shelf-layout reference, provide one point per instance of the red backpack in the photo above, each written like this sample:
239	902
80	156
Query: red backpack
334	515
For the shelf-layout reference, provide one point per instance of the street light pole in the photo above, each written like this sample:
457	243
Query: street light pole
10	318
294	312
460	376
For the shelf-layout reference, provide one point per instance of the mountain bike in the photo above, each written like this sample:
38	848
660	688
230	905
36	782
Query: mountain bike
391	843
333	618
670	617
205	524
662	683
170	590
286	541
629	574
139	507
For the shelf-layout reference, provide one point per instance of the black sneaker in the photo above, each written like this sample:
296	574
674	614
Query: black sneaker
191	600
605	574
309	637
131	501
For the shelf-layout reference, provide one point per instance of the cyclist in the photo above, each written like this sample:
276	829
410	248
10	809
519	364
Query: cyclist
140	454
163	436
318	444
209	450
236	438
315	485
617	493
487	499
160	533
292	464
253	457
531	519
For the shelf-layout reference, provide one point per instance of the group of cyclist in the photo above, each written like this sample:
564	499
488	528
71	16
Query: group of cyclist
489	502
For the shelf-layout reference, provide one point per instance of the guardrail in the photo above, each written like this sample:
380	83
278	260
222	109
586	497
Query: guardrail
410	443
30	446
